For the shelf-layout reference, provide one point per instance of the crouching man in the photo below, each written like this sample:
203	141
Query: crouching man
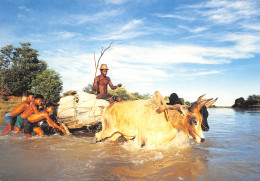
11	116
31	123
32	109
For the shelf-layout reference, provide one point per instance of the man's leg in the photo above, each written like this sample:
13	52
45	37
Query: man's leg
27	128
110	100
8	122
118	99
18	124
38	130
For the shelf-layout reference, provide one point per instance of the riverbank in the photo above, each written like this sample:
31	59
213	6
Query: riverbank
7	103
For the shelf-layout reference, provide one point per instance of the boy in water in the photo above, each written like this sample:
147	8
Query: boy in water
32	109
31	123
11	116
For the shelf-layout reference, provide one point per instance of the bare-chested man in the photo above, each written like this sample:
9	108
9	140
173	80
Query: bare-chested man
31	123
10	117
100	85
32	109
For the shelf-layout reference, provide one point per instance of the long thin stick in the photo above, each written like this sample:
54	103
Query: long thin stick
101	54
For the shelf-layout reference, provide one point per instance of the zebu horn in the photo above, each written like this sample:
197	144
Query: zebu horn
198	105
211	103
200	98
163	108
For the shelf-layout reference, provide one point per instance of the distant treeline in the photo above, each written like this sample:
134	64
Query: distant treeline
253	101
121	92
124	94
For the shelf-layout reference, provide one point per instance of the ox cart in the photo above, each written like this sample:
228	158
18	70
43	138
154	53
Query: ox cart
80	110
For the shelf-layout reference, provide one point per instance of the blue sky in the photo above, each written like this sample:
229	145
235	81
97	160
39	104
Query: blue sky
183	46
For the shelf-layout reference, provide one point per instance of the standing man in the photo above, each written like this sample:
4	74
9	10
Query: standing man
10	117
100	85
32	109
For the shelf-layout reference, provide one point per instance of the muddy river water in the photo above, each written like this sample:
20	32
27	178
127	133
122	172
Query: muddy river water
231	151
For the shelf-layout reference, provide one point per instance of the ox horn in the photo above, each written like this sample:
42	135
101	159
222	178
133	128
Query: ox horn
200	98
163	108
198	105
211	103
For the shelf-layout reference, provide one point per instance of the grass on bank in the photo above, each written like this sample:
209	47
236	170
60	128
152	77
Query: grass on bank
7	104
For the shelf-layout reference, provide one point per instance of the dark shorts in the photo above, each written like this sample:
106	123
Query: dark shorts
29	127
107	97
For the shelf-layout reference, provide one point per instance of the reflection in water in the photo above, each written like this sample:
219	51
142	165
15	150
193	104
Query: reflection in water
163	167
231	152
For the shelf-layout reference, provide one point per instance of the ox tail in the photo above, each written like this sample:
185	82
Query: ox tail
113	135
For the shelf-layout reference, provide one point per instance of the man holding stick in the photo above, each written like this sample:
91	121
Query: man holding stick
100	85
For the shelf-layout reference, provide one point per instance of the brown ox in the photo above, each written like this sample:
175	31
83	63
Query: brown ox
151	122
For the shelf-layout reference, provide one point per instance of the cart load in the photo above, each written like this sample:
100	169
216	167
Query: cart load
79	110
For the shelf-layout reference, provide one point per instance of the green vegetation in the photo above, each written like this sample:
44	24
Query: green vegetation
49	84
89	89
142	96
68	93
22	71
253	101
7	104
121	92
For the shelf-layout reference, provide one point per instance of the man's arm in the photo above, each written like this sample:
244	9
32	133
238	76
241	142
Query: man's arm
112	86
19	109
34	108
54	125
95	85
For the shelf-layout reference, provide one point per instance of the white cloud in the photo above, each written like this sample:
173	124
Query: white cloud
116	1
159	54
131	64
225	12
201	73
230	11
245	44
193	30
64	34
255	27
24	8
131	25
148	63
82	19
127	31
175	16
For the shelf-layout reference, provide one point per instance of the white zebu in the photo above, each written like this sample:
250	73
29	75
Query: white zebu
82	109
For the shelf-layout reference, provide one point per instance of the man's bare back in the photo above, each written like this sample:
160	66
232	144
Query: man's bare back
38	117
19	109
32	109
23	106
34	118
